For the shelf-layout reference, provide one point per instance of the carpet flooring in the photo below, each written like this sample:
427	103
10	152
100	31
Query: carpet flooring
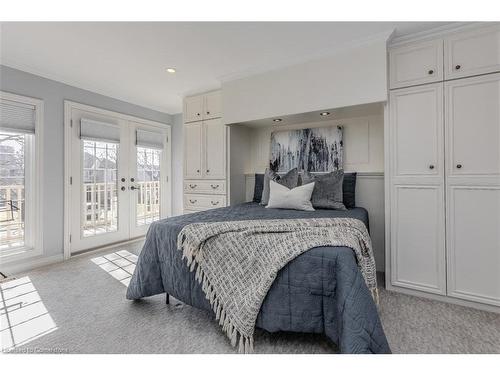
79	306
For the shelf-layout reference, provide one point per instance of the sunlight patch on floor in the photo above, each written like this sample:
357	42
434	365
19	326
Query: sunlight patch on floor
23	316
120	265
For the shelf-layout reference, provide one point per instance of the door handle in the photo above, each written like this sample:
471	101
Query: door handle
134	187
123	188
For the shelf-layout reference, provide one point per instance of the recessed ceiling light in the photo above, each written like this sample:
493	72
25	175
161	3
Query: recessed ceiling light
324	113
277	119
171	70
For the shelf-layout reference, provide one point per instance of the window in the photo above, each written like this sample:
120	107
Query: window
20	133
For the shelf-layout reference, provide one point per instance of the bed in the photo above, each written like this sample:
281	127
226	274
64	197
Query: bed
321	291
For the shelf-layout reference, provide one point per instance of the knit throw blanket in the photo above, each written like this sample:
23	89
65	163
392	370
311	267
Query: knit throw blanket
236	262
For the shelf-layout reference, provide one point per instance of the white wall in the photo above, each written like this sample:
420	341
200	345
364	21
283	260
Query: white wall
355	76
53	95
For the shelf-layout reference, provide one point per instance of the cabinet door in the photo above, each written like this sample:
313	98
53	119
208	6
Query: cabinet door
215	149
193	108
473	126
212	106
417	238
416	64
192	150
472	53
474	243
417	131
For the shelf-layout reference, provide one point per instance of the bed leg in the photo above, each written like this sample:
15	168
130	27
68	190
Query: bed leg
167	300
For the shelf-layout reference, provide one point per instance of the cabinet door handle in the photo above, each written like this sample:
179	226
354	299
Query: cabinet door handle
431	72
457	67
197	171
459	166
208	112
193	201
198	114
208	170
192	186
123	188
214	186
431	166
215	203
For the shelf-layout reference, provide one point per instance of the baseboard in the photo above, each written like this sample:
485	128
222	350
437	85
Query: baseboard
440	298
29	264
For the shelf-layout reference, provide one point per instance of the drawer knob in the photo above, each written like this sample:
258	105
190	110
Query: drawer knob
457	67
214	186
215	203
459	166
197	171
431	166
208	170
208	112
192	186
198	114
431	72
193	201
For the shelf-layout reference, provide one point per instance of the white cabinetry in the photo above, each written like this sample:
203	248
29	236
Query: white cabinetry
205	153
443	156
416	64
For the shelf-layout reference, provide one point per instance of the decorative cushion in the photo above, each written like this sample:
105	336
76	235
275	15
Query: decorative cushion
289	180
327	190
349	190
298	198
257	190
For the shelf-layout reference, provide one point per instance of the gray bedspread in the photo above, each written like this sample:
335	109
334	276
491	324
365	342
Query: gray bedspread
321	291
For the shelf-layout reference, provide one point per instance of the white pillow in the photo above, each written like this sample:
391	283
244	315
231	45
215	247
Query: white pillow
298	198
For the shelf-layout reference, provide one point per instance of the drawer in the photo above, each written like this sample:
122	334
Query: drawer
472	53
416	64
203	202
205	186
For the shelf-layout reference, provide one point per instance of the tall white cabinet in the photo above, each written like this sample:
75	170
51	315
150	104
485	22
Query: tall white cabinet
444	167
205	153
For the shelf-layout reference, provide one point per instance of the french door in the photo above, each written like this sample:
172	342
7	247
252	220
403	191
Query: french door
118	176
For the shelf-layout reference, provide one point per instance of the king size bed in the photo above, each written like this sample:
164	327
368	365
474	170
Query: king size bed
321	290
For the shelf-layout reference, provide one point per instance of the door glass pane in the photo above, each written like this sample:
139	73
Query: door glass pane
12	210
100	188
148	185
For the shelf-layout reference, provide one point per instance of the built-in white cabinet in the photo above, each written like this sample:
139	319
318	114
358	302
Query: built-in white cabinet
205	153
416	64
418	242
214	137
203	107
473	52
417	131
472	126
443	153
193	141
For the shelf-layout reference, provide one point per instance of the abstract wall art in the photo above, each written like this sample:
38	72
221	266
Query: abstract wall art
313	150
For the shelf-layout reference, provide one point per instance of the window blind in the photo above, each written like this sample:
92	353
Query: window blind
99	131
149	139
17	117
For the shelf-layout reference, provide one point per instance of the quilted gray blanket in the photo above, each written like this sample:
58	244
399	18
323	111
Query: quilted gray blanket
320	291
236	262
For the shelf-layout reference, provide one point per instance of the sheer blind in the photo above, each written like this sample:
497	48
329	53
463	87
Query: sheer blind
99	131
17	117
149	139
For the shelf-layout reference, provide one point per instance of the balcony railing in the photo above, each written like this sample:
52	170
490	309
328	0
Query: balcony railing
100	209
11	216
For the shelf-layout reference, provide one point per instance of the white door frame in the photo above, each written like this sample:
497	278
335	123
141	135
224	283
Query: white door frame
68	107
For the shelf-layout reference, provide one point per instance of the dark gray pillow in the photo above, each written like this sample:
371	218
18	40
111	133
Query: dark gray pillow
259	185
349	190
289	180
327	191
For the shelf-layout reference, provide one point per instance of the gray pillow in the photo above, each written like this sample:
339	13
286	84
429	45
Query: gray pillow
298	198
327	190
289	180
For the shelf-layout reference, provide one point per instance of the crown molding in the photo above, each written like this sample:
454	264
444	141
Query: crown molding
305	58
436	32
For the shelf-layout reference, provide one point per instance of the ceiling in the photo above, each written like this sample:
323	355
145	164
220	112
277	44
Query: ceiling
128	60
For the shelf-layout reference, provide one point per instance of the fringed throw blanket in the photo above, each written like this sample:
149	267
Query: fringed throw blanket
236	262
